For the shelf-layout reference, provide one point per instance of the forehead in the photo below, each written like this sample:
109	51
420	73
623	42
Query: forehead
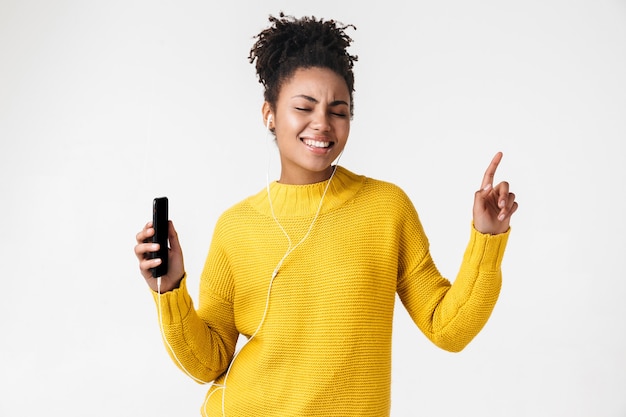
321	83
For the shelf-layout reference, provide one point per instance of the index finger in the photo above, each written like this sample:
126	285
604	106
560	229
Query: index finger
143	234
490	173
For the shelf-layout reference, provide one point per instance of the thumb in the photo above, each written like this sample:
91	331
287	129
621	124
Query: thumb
483	193
172	235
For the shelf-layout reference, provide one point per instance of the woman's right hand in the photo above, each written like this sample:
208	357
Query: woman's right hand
176	268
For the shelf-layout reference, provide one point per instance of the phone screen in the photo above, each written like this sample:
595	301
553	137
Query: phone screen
160	223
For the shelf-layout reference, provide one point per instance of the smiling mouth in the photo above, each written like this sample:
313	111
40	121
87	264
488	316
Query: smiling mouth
316	143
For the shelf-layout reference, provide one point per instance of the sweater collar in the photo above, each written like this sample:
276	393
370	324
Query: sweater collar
303	200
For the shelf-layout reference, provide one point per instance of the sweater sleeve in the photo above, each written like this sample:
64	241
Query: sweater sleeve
201	350
451	315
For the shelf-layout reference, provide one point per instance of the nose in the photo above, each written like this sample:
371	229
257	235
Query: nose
321	121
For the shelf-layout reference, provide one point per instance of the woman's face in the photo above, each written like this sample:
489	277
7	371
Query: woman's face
311	123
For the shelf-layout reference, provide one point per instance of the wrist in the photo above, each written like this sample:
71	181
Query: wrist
165	285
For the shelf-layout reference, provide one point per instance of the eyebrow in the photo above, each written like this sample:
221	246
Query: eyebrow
314	100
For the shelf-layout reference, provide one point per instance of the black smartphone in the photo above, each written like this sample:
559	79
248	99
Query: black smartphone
160	218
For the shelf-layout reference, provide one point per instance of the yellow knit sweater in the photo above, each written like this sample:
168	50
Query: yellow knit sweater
324	347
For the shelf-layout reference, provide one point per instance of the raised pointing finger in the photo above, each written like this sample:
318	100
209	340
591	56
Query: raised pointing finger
490	173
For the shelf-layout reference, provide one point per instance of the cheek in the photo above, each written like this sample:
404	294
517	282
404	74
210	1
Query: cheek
343	131
291	126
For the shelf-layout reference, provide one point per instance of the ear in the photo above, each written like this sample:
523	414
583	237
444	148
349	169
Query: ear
267	112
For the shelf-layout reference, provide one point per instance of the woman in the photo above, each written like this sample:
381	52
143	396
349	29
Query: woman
308	268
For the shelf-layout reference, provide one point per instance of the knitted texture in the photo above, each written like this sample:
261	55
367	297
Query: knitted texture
324	347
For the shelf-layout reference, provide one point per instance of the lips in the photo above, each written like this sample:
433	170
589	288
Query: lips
316	143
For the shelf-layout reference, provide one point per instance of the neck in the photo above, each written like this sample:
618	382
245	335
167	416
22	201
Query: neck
307	178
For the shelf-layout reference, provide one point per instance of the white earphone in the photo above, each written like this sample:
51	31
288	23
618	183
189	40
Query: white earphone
269	120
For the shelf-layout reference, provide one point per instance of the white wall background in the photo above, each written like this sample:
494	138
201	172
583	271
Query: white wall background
105	105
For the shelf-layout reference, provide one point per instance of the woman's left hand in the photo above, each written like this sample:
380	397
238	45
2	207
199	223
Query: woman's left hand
493	206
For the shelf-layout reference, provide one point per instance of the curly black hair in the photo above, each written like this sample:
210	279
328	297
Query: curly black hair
289	44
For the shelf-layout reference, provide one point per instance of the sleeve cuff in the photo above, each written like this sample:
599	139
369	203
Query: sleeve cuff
175	305
485	251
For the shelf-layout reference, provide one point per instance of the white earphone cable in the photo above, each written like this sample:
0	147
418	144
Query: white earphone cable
290	249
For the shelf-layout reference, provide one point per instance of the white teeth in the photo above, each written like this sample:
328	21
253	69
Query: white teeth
316	144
